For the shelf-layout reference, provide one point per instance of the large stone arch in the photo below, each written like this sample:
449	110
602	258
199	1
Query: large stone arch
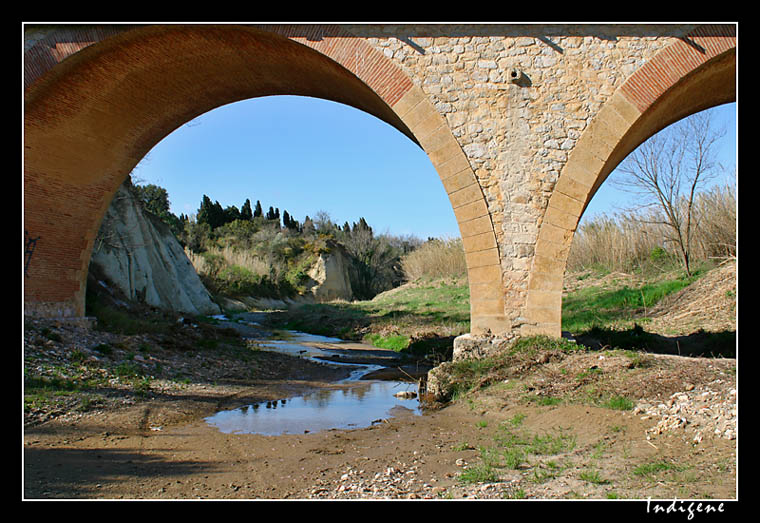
97	99
692	74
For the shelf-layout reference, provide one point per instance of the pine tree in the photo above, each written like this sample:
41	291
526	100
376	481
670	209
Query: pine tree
258	212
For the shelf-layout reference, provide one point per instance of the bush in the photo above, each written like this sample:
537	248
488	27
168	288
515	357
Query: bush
236	280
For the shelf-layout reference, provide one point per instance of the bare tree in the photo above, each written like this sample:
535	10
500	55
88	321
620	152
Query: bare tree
666	173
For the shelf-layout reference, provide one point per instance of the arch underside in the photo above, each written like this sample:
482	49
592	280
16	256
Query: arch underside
98	99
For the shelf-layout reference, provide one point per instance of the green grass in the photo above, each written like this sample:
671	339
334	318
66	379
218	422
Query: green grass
395	342
535	344
618	403
593	476
592	307
513	449
649	470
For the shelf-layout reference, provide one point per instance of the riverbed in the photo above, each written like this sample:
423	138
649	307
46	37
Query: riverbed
359	402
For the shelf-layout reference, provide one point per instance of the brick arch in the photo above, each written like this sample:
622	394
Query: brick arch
97	99
691	74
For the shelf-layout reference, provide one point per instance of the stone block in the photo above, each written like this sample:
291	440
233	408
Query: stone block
544	299
486	291
545	281
486	307
459	180
476	226
485	274
408	101
482	258
478	242
455	165
470	211
561	219
469	194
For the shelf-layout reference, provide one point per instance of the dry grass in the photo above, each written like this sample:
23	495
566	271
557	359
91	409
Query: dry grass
232	257
439	258
636	240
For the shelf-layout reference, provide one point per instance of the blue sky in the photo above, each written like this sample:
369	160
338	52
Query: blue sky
609	200
303	155
306	155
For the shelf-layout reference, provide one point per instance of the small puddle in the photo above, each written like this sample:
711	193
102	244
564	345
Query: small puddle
359	404
354	407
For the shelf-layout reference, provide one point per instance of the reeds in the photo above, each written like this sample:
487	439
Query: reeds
437	258
635	240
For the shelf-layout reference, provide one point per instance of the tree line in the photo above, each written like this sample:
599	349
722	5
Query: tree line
282	241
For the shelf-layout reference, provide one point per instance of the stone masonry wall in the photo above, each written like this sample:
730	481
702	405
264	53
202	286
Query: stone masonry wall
517	132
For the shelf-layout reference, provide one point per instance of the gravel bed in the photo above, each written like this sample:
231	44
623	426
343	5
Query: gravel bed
710	409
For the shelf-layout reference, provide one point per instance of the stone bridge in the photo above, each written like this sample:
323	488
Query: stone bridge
521	122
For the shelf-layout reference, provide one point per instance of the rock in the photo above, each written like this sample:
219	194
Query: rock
406	395
138	254
330	275
478	346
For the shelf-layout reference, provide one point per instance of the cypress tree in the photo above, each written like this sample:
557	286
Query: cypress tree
204	210
216	218
245	211
230	214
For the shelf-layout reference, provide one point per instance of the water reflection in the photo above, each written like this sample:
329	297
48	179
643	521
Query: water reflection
353	407
359	405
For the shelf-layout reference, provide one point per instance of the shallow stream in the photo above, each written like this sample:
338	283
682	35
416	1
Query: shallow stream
359	403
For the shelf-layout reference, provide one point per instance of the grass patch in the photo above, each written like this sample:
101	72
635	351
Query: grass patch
513	449
43	391
543	401
593	476
652	469
591	395
592	307
466	374
481	473
394	342
618	403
